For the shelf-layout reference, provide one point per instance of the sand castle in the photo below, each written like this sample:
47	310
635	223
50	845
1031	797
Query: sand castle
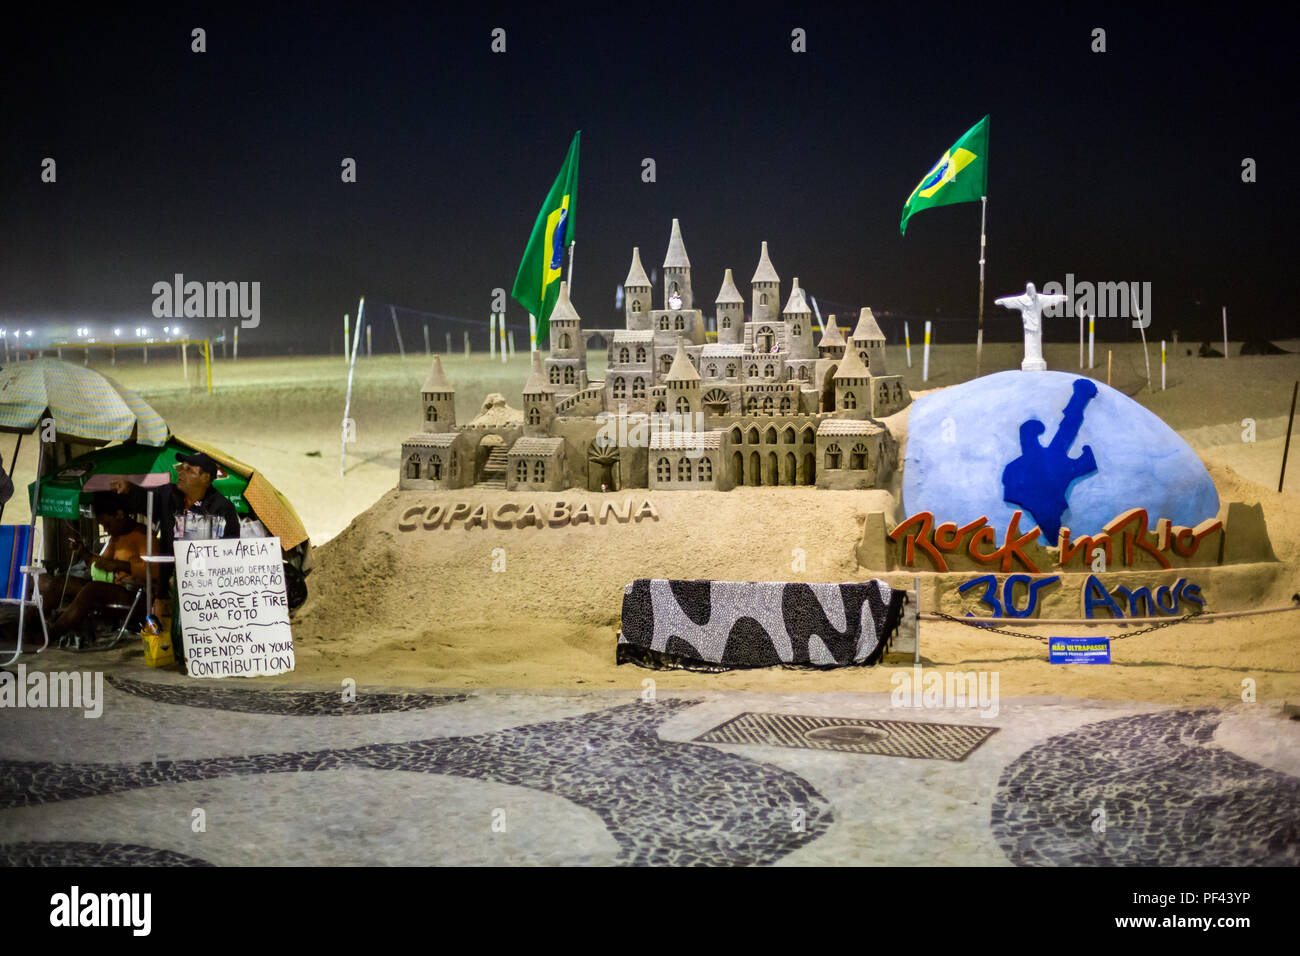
763	405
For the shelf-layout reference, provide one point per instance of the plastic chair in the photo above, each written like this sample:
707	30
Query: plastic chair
21	577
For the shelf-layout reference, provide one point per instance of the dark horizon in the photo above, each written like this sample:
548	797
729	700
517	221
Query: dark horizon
225	165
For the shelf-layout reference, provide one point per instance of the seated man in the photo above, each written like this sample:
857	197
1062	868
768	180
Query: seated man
121	568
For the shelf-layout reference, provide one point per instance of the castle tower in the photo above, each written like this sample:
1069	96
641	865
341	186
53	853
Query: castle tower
539	400
831	345
637	294
677	271
869	342
852	386
439	398
766	290
798	325
731	312
566	366
683	384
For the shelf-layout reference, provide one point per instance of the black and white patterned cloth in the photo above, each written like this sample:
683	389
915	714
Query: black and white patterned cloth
723	625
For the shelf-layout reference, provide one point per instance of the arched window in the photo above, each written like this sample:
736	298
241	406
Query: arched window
898	391
624	356
620	387
785	403
712	370
858	457
809	435
751	405
539	472
762	299
767	404
638	387
796	329
866	360
769	371
455	465
663	323
726	321
435	467
640	353
413	467
737	436
803	373
521	470
704	470
568	375
636	305
555	375
679	323
665	363
753	371
787	437
850	400
683	405
430	413
534	415
833	456
662	470
753	436
884	391
770	435
661	406
564	340
675	289
731	370
683	469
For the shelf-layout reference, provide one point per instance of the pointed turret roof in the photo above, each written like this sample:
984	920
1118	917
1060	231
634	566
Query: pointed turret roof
676	258
682	370
636	276
537	378
765	272
851	366
832	335
563	307
436	381
728	293
797	302
867	327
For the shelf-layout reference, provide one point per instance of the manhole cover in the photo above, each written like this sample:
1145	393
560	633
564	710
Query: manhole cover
893	738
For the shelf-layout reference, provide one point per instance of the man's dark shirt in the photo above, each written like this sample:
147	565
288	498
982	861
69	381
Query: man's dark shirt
169	503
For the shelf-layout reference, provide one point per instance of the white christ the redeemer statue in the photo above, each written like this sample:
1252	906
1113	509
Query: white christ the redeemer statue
1031	306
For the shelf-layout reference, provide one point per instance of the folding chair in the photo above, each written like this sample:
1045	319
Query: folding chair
20	577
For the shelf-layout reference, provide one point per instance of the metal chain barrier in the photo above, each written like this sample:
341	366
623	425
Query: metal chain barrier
979	623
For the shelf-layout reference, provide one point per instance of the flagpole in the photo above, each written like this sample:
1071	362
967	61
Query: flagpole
979	336
571	245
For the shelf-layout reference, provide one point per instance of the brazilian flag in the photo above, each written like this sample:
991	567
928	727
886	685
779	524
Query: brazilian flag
538	283
960	175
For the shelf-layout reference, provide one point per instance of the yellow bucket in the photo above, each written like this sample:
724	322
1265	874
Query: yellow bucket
158	649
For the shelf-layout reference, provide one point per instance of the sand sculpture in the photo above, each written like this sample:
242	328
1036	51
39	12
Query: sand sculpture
763	405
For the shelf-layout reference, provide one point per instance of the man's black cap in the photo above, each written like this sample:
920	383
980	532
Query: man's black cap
202	462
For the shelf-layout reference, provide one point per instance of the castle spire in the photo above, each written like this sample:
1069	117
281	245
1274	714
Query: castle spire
682	370
867	328
797	302
728	293
537	378
832	335
563	307
765	271
436	380
851	366
676	257
636	277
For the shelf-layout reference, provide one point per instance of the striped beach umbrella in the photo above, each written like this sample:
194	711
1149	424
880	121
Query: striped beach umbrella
84	404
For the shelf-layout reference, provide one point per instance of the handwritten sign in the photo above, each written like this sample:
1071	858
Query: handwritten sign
234	613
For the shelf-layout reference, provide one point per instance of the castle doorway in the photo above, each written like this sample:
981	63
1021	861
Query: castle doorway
809	469
755	478
790	477
738	469
603	471
828	389
771	478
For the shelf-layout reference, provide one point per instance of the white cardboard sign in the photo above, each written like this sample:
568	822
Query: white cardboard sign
234	613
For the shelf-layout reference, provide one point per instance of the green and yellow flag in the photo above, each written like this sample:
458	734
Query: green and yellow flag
960	175
538	283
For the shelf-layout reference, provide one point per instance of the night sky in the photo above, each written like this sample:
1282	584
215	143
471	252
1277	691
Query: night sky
225	165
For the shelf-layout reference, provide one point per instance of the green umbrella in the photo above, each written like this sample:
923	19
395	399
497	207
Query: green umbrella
63	492
84	404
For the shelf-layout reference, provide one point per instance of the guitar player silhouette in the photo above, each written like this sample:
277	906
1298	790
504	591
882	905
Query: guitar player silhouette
1040	479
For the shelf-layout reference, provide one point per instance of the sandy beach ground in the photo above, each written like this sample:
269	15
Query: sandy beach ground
423	611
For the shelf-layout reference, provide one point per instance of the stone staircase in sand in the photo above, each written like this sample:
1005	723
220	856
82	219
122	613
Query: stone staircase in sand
494	469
